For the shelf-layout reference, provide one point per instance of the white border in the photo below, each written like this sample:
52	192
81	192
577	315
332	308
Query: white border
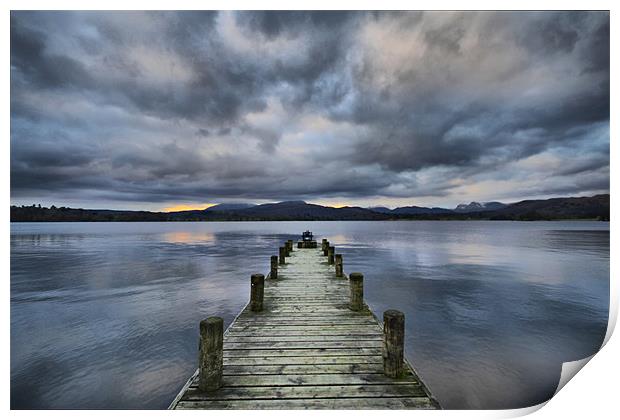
591	394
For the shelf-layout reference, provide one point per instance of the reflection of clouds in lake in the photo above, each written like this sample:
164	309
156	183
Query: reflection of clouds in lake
477	253
154	379
337	239
184	237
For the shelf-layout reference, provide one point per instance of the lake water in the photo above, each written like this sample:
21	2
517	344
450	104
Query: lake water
105	315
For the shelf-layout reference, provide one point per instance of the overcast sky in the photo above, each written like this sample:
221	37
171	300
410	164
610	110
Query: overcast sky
155	110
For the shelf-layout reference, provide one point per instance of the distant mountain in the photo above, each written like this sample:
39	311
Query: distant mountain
475	206
384	210
410	210
413	210
230	206
300	210
596	207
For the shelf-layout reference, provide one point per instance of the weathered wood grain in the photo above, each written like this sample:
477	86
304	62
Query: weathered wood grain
308	391
292	369
313	403
263	345
339	379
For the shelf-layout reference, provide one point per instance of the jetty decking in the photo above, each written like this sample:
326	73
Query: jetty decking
305	348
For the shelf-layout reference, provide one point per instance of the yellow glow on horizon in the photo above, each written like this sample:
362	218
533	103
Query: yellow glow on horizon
335	205
185	207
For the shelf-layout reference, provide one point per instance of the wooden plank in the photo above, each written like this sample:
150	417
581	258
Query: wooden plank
335	298
380	403
266	316
302	329
288	392
302	334
328	312
293	369
320	352
244	338
313	379
285	360
245	345
304	323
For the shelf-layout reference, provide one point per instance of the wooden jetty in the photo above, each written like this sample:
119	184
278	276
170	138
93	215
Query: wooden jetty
306	340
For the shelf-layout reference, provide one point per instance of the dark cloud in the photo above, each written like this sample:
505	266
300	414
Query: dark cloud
277	23
552	36
173	106
40	68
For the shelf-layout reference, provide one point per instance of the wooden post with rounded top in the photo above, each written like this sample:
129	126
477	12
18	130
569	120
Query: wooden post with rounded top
330	254
287	249
356	284
338	260
323	242
325	248
211	354
273	274
290	245
393	343
257	291
282	255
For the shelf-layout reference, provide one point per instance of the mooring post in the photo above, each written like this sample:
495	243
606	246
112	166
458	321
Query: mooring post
273	274
393	343
338	259
326	248
211	353
300	244
330	254
257	291
290	245
356	283
282	255
287	249
323	242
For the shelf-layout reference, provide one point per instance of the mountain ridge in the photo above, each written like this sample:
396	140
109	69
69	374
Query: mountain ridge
477	206
595	207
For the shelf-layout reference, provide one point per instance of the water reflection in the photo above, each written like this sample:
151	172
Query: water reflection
189	237
104	315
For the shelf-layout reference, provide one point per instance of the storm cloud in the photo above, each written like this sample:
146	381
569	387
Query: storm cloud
146	109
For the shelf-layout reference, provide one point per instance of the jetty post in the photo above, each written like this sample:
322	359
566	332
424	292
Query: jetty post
257	292
282	255
338	259
323	242
273	274
325	248
330	254
211	354
356	282
393	343
287	250
290	246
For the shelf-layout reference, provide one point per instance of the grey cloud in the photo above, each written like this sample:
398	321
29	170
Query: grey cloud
276	23
410	132
35	65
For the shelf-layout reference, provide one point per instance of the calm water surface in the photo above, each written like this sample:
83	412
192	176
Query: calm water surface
105	315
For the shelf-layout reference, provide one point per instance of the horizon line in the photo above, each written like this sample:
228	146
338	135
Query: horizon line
168	209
